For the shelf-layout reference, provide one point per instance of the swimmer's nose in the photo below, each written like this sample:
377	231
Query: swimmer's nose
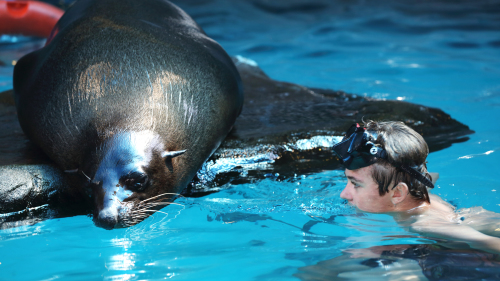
345	194
107	219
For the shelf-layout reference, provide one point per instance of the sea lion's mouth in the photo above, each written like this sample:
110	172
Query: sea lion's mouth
138	210
112	216
131	212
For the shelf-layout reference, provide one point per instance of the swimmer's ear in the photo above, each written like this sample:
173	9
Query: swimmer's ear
399	193
172	154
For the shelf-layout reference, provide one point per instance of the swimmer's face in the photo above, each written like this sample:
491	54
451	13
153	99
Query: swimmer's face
361	192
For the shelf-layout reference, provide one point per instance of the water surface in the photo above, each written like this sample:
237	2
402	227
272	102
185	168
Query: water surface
443	54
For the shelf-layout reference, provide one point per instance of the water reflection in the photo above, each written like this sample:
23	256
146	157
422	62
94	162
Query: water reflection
121	242
125	261
121	262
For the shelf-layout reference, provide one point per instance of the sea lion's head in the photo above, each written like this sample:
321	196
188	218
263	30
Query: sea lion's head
130	176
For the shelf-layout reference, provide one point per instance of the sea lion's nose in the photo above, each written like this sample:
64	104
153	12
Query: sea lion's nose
107	219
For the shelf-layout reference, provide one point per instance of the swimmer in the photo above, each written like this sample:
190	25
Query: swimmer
386	170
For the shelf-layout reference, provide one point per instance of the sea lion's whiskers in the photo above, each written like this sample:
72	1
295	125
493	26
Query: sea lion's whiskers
140	210
143	212
155	205
159	196
163	203
154	211
137	218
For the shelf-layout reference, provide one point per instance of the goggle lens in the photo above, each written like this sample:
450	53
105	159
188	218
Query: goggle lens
351	131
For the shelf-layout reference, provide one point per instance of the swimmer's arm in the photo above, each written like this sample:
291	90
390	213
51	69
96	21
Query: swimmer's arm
462	233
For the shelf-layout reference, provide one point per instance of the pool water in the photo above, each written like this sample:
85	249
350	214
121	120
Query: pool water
443	54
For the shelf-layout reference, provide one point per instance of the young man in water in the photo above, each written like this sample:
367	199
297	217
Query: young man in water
386	170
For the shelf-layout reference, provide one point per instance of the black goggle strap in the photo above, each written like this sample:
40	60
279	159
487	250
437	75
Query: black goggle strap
416	175
376	151
381	153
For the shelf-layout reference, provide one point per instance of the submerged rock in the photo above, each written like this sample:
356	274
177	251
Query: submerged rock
283	130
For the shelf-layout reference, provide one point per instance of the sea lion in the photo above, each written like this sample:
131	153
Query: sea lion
131	96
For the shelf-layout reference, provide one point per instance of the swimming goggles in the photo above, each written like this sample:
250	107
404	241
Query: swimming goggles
358	149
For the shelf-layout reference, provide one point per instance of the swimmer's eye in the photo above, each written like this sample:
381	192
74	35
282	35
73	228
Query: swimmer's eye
355	185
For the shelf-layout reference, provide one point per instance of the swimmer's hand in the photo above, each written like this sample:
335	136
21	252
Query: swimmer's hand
435	177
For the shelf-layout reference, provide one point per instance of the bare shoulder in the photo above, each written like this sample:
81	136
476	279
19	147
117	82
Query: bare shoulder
437	219
438	205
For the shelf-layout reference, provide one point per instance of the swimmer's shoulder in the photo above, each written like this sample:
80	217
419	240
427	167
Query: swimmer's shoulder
438	213
439	205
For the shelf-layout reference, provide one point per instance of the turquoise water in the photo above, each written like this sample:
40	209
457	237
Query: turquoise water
443	54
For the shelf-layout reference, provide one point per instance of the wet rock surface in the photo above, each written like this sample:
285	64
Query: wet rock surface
278	116
26	186
283	130
26	191
274	110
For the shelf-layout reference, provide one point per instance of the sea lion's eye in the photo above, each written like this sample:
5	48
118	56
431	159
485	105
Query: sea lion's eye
140	182
136	181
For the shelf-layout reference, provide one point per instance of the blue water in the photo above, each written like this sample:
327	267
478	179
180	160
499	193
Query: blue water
443	54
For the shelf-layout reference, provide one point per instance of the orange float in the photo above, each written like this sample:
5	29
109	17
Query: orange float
30	18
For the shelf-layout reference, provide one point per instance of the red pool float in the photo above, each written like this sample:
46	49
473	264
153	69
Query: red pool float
30	18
